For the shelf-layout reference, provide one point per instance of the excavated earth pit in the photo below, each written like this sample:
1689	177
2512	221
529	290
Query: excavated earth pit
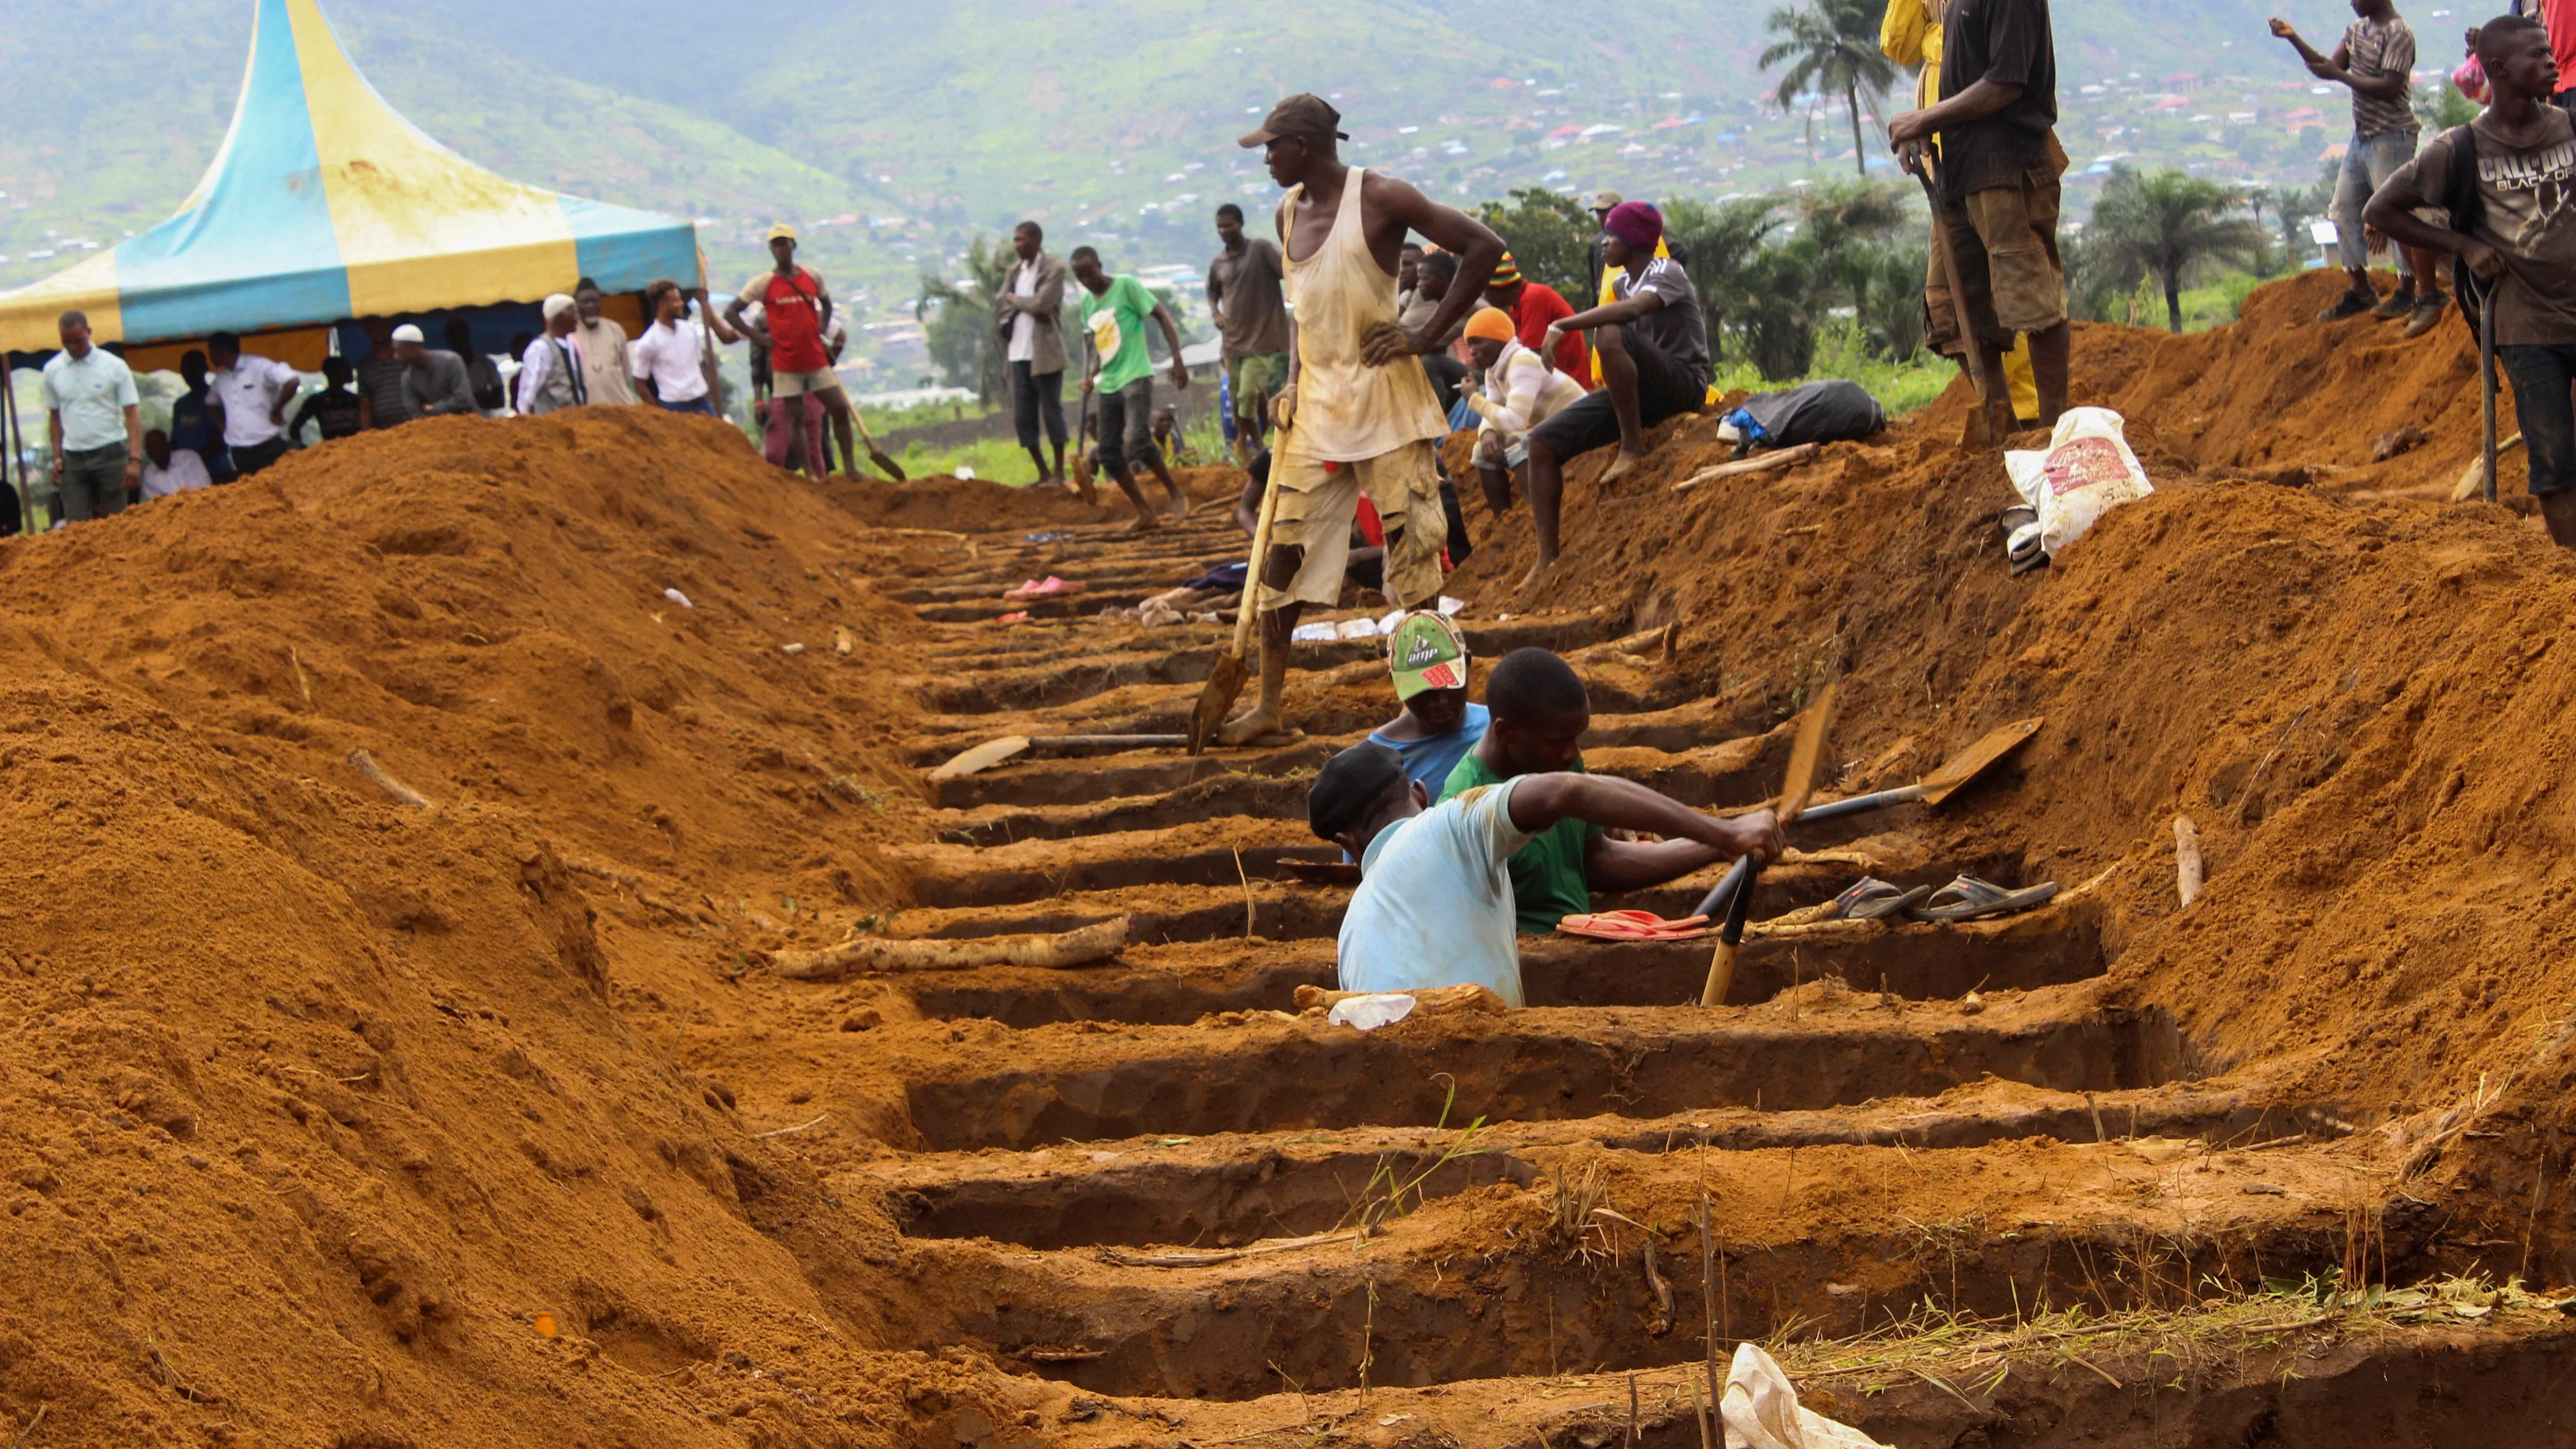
330	1119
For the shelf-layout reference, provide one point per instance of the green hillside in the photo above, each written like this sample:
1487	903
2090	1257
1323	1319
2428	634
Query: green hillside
919	127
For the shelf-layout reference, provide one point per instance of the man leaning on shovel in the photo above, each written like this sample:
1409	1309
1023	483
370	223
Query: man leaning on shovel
2515	228
1357	414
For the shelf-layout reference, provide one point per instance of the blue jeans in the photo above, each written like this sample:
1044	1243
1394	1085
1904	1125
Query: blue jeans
2541	373
2367	164
704	405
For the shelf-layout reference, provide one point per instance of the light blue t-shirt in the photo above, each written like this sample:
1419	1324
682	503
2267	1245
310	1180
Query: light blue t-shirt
1430	759
1434	907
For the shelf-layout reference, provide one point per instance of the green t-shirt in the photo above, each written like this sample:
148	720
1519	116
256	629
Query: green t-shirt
1117	319
1548	883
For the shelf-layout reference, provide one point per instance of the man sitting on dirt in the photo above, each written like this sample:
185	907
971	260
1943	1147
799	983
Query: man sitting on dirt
1520	392
1653	351
1437	726
1532	307
1357	416
2521	154
1436	900
1539	711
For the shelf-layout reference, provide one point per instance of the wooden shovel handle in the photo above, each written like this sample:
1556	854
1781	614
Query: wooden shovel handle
1721	962
1260	564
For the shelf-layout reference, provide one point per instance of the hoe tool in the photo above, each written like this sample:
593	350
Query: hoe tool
1225	681
1803	758
1955	774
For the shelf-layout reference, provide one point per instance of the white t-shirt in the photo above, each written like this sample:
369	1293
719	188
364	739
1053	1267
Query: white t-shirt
1024	325
671	356
249	390
186	471
1435	907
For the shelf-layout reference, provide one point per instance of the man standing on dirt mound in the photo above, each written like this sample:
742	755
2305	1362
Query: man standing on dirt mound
1357	414
796	308
1999	169
2508	180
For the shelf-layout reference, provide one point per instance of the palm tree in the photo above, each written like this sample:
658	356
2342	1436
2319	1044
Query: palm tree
2164	225
962	338
1832	47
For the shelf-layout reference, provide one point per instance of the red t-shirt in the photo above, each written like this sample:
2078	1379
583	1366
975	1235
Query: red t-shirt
795	316
1541	304
2559	17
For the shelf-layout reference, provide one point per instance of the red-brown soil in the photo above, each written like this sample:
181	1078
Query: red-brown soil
318	1110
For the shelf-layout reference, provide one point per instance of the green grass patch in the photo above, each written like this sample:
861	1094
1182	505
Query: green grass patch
1900	387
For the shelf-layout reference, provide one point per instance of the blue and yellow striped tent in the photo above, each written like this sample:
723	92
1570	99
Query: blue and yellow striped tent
324	204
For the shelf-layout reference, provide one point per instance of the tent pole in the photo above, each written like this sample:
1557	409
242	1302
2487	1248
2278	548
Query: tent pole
13	446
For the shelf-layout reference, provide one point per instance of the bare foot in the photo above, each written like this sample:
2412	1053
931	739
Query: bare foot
1146	522
1620	465
1538	571
1180	508
1243	729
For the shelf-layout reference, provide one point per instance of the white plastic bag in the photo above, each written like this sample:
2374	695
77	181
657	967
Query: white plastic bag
1368	1013
1761	1410
2086	472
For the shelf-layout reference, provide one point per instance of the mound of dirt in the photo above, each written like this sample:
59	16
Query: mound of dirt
313	1102
2351	689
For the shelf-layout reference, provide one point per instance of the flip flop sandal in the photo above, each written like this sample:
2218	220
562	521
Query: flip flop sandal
1046	588
1861	899
1633	926
1971	899
1871	899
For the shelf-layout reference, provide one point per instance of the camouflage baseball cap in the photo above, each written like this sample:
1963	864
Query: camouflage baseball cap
1426	652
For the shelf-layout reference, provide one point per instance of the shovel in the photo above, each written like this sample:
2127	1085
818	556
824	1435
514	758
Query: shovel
1977	434
1082	473
2487	389
1010	747
1954	775
1803	758
1225	681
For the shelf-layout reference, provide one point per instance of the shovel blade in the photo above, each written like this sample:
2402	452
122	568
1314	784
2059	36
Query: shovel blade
983	757
886	461
1224	683
1976	759
1082	481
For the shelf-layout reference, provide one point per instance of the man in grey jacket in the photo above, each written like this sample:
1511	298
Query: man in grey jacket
1028	310
434	383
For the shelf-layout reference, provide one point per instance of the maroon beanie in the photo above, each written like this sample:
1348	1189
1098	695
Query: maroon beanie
1636	223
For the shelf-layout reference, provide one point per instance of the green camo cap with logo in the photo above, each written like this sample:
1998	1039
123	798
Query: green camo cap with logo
1426	652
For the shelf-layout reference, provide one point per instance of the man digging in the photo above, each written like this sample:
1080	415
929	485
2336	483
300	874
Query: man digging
1357	415
1435	904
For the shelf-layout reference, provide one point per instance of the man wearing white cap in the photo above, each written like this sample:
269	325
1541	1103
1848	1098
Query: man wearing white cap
434	383
550	374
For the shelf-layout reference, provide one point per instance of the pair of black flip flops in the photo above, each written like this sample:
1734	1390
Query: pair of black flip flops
1964	899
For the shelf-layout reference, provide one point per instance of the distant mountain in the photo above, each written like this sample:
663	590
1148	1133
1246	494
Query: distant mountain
919	126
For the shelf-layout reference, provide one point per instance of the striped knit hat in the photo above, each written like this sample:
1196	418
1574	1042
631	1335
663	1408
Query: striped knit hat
1506	272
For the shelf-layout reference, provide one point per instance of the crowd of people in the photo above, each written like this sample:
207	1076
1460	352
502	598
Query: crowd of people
239	412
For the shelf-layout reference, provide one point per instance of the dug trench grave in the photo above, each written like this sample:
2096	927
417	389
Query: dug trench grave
1116	1178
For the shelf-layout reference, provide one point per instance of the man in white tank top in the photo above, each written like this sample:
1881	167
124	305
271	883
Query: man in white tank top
1357	414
